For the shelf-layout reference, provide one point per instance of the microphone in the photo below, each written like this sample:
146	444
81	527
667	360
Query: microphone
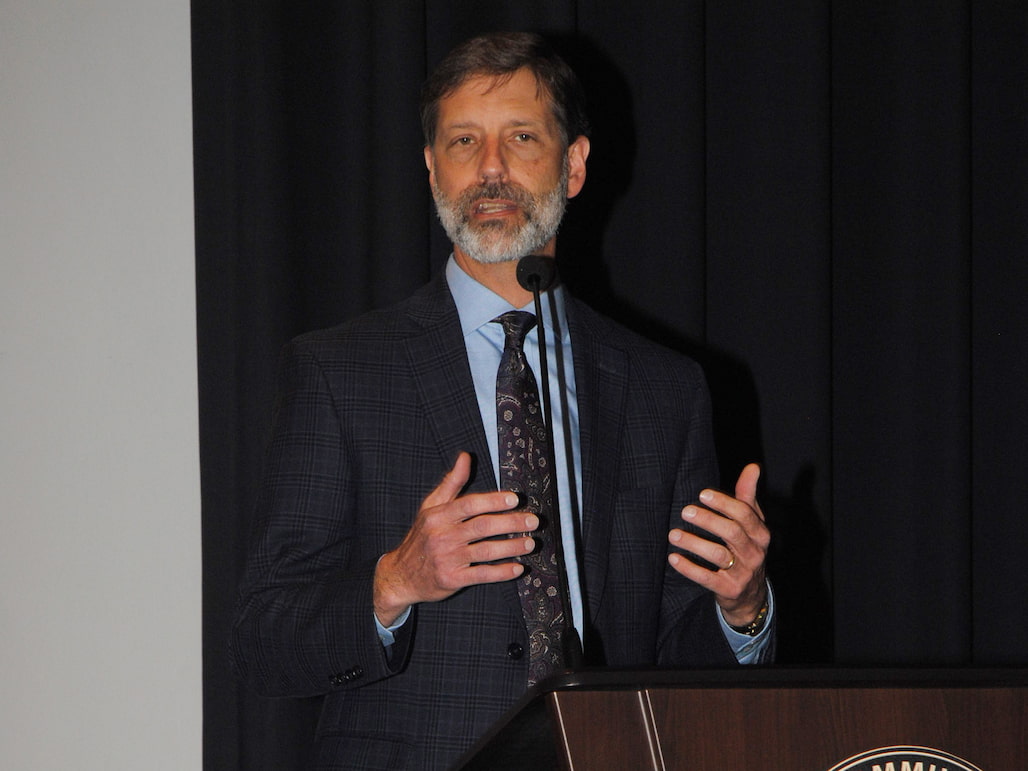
537	274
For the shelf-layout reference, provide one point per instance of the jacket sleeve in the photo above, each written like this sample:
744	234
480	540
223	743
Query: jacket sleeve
304	624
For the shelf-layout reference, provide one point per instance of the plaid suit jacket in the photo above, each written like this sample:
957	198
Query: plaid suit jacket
370	416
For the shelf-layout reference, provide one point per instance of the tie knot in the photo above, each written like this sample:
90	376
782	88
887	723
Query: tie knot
516	324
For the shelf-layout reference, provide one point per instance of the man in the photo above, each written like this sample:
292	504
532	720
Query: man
397	595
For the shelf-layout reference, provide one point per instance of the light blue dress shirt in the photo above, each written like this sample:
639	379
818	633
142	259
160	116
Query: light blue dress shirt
477	306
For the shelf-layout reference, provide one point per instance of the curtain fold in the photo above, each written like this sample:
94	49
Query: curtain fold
901	331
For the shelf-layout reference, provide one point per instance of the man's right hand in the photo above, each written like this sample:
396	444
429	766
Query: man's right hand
444	550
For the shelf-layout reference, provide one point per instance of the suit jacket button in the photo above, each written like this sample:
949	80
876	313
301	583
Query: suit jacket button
515	651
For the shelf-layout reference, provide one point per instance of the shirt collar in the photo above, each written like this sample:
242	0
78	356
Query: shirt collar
478	305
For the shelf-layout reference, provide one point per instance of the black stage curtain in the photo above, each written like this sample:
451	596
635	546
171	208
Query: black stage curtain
823	202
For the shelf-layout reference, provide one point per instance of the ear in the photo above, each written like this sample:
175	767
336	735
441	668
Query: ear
578	151
430	164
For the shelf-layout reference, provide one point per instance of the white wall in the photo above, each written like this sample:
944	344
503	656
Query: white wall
99	482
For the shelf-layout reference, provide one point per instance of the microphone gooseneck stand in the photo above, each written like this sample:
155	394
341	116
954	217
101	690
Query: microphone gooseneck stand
536	274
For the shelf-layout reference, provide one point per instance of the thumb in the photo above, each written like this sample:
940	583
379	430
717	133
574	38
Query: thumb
746	487
452	483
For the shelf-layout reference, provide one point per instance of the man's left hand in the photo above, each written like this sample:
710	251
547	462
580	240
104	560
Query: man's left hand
738	581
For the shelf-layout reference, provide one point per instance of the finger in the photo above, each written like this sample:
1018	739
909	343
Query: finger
728	583
452	483
728	526
502	549
715	580
744	532
491	574
745	511
491	525
746	486
721	557
468	507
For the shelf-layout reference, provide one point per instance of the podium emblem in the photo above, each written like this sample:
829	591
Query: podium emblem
904	759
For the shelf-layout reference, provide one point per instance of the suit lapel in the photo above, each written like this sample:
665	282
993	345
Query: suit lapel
437	354
601	379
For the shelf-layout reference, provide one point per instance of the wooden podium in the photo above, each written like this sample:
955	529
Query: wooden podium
767	720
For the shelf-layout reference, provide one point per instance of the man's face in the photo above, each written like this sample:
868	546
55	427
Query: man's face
499	171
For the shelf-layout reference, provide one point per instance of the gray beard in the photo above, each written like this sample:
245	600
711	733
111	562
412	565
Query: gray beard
496	242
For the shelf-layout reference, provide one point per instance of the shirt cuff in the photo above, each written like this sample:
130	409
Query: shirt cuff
749	650
387	633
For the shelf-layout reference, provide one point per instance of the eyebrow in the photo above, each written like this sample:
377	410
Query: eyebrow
516	123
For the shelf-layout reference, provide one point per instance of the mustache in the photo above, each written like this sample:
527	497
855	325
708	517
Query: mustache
496	190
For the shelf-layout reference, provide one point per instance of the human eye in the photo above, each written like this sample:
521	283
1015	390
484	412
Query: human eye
461	146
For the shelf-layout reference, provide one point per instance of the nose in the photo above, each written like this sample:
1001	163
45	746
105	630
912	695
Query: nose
492	165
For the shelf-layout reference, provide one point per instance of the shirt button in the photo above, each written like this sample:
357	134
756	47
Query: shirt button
515	651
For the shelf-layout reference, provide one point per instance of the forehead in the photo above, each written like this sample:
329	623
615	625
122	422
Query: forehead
515	97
